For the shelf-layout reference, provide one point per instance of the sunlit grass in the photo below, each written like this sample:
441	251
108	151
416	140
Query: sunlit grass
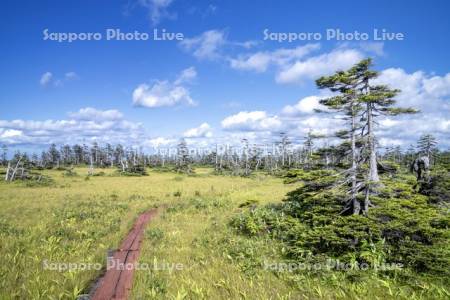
76	219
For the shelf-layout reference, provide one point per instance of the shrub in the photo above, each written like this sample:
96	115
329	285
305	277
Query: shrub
402	228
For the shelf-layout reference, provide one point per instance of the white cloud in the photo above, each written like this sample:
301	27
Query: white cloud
428	93
294	65
204	130
247	44
162	93
437	86
251	121
186	76
46	78
9	133
71	76
157	9
85	126
305	105
160	141
388	122
260	61
165	93
316	66
49	79
257	62
205	46
419	90
89	113
388	142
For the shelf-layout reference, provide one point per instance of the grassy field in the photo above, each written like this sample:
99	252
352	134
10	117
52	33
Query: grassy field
76	219
192	250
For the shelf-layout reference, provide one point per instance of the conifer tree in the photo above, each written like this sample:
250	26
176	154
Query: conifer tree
378	101
427	145
183	164
360	103
346	104
4	155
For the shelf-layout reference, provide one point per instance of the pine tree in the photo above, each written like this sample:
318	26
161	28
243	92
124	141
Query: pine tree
347	105
54	155
378	101
4	155
183	160
427	145
361	103
77	151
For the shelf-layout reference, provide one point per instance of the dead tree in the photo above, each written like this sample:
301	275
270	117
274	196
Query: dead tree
11	175
91	166
8	168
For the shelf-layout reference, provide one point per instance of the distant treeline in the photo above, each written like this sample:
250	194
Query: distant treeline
243	160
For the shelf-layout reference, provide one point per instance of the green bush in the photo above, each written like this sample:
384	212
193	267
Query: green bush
402	228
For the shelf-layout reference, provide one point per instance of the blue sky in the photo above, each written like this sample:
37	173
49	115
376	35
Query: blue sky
222	82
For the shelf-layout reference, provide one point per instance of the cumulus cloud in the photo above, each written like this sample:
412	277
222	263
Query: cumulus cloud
158	9
205	46
162	93
295	65
313	67
87	124
46	78
251	121
430	94
204	130
9	133
89	113
160	141
70	76
165	93
305	105
260	61
437	85
186	76
213	45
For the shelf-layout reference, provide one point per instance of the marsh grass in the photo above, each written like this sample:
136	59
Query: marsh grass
73	220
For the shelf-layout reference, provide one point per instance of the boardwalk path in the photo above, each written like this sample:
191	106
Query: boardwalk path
116	283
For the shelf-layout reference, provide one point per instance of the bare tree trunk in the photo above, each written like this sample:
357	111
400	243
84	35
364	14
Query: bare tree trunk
258	162
217	158
7	171
356	204
13	175
123	165
373	169
91	166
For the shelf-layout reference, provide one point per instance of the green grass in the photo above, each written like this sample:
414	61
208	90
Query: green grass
195	234
77	218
